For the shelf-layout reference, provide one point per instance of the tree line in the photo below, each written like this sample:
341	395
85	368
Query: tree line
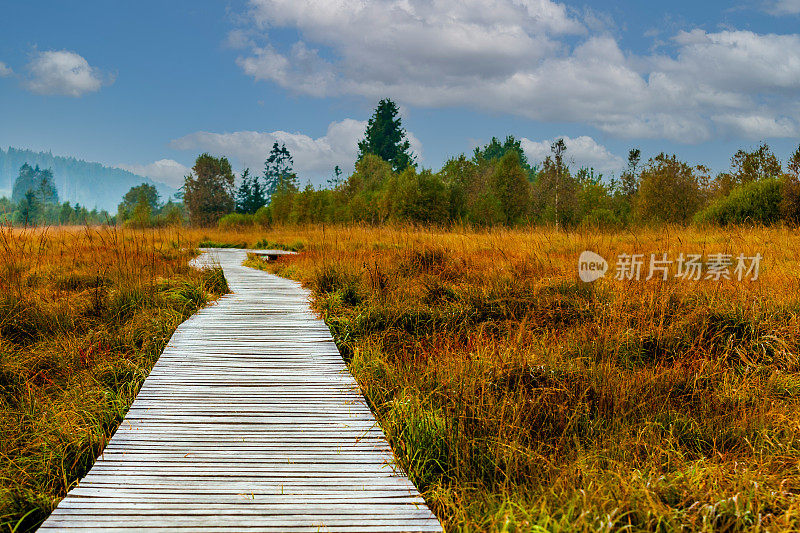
35	201
495	185
87	183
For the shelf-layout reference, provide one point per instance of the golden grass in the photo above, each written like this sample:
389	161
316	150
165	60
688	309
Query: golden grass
517	397
84	314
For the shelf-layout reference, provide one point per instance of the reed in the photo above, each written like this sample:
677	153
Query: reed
84	314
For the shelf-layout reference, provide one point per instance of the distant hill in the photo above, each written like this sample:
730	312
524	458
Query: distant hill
89	184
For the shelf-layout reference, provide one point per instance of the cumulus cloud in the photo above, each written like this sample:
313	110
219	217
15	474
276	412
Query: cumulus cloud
63	72
581	151
784	7
533	58
313	157
5	70
758	126
166	171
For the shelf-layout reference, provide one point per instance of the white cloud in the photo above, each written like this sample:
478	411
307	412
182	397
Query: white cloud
164	170
757	126
5	70
63	72
302	69
313	157
784	7
533	58
581	151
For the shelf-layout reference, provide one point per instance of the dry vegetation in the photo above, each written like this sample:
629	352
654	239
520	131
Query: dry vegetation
84	314
517	397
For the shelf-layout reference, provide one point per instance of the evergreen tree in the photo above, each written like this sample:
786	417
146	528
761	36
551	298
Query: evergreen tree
386	138
23	183
496	150
278	172
629	178
46	191
251	194
65	213
558	148
29	208
38	180
82	181
336	180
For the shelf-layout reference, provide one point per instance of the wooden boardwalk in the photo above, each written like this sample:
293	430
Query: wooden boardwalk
249	421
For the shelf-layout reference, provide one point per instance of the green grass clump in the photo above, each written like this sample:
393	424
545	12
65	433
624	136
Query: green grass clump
266	244
215	244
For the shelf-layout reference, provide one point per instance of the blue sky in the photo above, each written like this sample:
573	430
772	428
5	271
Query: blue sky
149	85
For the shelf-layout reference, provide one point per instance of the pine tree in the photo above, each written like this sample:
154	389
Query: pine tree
629	178
336	180
29	208
251	194
386	138
278	172
496	150
38	180
558	148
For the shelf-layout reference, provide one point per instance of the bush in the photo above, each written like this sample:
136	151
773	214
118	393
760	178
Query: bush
263	217
603	219
266	244
790	200
207	243
234	221
758	202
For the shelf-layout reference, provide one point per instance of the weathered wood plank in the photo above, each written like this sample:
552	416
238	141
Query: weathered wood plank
249	421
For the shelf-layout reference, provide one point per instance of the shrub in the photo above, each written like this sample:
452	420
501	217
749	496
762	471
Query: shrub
207	243
790	200
758	202
234	221
263	217
266	244
602	218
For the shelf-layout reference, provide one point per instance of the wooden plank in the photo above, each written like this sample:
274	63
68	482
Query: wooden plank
249	421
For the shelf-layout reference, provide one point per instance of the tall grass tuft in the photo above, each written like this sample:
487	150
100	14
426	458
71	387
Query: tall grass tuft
84	314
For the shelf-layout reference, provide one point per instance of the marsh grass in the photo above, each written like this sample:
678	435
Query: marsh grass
84	314
515	396
521	399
